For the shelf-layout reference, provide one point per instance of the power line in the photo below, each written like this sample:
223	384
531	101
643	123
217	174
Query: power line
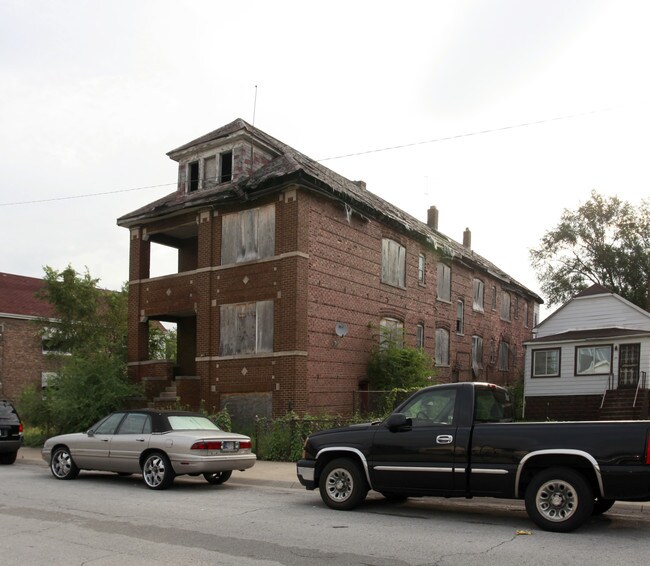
377	150
86	196
467	134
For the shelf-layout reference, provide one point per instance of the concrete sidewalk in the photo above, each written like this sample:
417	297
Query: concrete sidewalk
280	474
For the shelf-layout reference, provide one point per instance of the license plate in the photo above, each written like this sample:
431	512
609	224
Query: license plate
229	446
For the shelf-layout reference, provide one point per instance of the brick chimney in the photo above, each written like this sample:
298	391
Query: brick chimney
467	239
432	217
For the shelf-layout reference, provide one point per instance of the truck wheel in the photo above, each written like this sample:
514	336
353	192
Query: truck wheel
559	500
342	485
602	505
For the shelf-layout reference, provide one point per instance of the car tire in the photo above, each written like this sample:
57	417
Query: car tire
8	458
217	478
62	465
602	505
342	485
157	471
559	500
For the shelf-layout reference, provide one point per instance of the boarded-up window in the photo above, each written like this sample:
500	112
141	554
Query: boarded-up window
393	263
478	293
391	332
442	347
477	355
504	356
209	170
246	328
248	235
505	305
443	283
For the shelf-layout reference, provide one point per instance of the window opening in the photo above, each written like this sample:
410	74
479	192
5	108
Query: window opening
225	167
194	176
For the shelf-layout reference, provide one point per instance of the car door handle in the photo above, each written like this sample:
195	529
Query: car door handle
444	439
139	439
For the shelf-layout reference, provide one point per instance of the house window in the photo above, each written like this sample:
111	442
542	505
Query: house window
246	328
48	378
478	293
477	355
421	267
460	317
505	305
494	297
248	235
593	360
391	333
442	347
516	306
193	176
51	342
225	162
393	263
546	363
504	356
419	336
443	283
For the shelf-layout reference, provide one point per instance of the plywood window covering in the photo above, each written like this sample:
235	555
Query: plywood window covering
393	263
443	283
209	170
248	235
505	305
442	347
391	332
478	288
504	356
246	328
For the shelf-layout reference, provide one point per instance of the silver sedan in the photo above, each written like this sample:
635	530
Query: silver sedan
158	444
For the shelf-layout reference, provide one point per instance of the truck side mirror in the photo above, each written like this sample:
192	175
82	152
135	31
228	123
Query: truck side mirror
397	421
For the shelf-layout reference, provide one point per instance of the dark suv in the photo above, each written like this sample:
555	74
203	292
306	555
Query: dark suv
11	432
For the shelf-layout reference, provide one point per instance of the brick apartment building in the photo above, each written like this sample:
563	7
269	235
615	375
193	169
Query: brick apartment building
23	354
286	271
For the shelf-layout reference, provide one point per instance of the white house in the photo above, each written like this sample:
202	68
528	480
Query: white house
590	360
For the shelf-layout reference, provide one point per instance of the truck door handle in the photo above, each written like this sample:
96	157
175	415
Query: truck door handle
444	439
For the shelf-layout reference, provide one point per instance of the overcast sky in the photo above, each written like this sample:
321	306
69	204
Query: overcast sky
94	94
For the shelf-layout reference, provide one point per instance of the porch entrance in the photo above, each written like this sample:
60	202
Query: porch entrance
628	365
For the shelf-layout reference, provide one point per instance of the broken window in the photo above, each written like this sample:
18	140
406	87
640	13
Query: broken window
478	292
442	347
225	167
248	235
421	268
460	317
193	172
443	283
393	263
246	328
477	354
419	336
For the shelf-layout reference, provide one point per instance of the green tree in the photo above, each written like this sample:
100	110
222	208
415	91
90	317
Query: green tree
89	336
394	366
605	241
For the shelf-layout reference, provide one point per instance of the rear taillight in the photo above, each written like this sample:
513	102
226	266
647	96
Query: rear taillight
647	451
207	445
20	428
245	444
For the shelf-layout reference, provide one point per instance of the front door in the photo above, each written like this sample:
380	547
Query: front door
628	365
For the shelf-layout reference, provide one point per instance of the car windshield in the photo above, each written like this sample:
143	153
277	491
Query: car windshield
6	408
191	422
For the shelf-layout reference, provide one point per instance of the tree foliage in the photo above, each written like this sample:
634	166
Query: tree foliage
605	241
394	366
89	336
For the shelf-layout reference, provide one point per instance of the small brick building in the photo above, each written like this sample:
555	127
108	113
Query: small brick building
23	359
286	273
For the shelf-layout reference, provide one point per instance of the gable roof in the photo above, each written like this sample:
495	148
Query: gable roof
293	167
18	297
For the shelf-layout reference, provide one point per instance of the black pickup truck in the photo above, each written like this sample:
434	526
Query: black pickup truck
458	440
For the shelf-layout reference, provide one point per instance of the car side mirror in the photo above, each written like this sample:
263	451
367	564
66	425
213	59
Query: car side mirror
397	421
90	432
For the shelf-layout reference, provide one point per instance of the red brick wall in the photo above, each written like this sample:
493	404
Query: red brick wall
21	357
